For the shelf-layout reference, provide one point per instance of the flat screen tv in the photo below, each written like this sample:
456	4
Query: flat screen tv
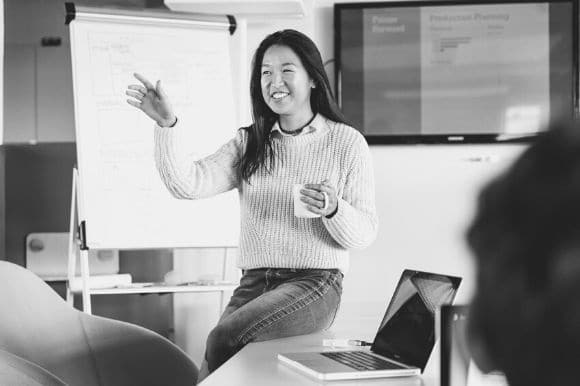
456	72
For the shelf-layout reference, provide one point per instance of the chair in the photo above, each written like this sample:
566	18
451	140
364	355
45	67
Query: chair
17	371
37	325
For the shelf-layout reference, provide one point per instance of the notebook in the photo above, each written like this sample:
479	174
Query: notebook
457	366
403	342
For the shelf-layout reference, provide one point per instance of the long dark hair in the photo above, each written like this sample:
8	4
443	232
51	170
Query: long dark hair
259	146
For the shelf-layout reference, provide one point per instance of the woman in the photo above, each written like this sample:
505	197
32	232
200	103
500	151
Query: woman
292	267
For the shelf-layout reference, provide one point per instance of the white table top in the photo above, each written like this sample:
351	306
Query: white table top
257	365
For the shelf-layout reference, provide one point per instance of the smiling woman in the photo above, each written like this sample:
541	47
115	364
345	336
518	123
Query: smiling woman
292	266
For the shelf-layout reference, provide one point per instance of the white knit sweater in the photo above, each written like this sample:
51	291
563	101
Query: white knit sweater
270	235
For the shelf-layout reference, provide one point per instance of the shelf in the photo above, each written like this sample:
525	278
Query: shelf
53	278
157	288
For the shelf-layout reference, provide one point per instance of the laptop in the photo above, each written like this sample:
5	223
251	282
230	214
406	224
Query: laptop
403	341
457	366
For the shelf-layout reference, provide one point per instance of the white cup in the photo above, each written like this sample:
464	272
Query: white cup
300	207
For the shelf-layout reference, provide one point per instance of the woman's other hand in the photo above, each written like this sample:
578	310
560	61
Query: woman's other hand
152	100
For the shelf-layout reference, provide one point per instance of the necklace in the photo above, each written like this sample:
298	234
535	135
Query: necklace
295	132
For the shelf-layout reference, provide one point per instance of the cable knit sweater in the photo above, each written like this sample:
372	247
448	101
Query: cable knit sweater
270	235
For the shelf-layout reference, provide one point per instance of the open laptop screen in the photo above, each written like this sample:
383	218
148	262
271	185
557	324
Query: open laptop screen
407	332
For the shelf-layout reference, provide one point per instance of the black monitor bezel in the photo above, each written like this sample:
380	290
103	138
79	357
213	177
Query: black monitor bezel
415	139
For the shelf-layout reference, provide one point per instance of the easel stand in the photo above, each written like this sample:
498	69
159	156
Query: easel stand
78	248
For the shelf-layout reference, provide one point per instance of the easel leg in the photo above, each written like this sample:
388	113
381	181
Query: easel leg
85	281
72	246
73	249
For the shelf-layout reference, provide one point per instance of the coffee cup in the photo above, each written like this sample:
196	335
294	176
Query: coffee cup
300	207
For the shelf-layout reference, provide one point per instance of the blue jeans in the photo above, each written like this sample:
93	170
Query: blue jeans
274	303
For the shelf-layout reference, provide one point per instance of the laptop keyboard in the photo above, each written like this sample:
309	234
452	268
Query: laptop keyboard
360	360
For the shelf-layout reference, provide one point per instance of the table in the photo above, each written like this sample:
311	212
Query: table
257	365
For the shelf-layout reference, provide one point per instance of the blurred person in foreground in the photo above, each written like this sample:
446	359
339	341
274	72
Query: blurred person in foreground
525	314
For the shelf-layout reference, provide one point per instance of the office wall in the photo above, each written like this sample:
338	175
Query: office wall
38	81
38	180
38	103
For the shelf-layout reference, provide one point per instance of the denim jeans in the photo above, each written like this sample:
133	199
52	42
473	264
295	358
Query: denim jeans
274	303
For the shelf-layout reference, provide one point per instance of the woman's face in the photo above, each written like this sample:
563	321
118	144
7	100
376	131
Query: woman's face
286	85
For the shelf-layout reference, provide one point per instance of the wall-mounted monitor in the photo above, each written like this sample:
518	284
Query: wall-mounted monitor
473	71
